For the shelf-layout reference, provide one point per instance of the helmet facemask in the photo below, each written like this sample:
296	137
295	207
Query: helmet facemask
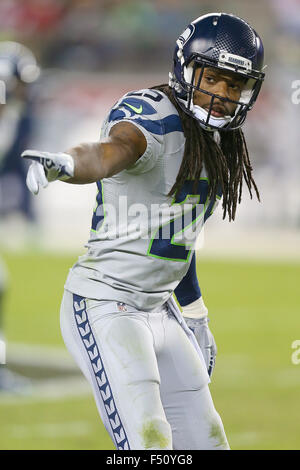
238	65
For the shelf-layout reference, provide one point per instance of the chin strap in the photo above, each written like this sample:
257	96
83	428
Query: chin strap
201	114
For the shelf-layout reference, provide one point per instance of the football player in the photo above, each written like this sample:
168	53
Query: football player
167	155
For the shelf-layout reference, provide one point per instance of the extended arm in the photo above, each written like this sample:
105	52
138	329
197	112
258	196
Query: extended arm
100	160
88	162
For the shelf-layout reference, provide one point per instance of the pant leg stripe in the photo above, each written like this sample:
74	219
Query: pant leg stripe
88	340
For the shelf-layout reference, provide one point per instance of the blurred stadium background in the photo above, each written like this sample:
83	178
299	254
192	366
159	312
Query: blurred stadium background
90	53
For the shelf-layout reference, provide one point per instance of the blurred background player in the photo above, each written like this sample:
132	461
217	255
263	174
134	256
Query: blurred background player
18	70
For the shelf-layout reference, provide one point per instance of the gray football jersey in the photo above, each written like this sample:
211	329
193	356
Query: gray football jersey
142	240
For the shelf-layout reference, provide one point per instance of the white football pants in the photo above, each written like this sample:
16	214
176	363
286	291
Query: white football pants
148	376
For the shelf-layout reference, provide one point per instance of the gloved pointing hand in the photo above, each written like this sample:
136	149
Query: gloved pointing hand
47	167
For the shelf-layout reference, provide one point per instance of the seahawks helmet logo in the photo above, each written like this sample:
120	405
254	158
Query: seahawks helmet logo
186	35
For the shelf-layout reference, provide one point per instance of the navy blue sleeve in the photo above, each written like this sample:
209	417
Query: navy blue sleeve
188	289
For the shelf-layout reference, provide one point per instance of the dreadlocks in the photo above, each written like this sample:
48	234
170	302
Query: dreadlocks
226	163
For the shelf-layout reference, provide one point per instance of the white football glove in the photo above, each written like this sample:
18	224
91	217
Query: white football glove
47	167
196	318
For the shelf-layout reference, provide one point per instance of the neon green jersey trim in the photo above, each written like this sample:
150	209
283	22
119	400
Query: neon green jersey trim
136	110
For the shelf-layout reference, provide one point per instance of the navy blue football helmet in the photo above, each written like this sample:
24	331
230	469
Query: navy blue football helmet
224	42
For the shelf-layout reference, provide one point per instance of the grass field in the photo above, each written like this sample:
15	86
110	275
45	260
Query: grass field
254	312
